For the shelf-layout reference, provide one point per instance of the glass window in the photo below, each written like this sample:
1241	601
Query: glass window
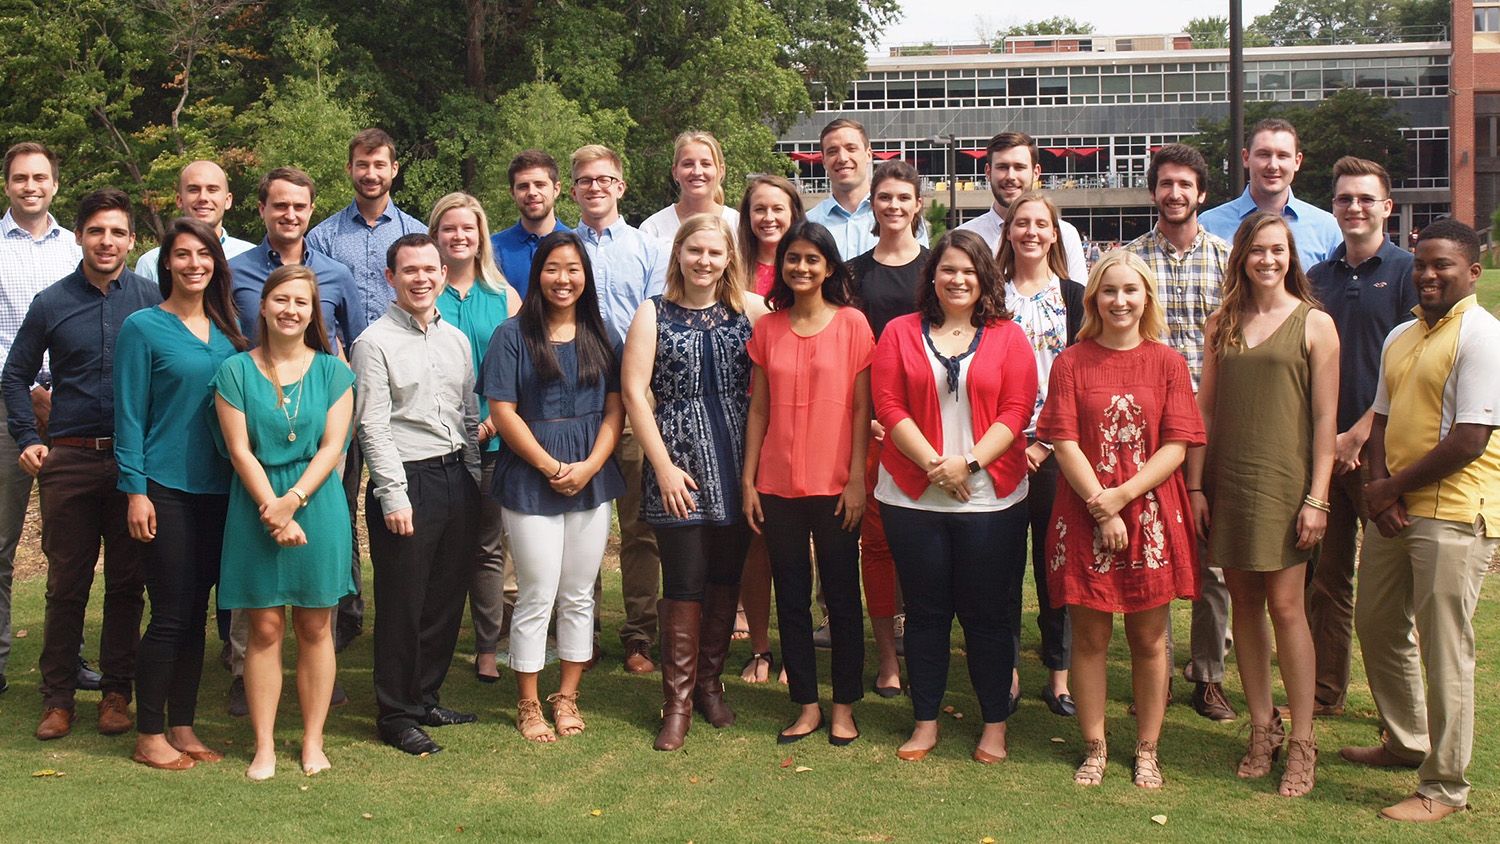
964	88
1054	86
1487	18
1273	81
866	92
1215	82
927	91
1023	87
1306	80
1435	76
1116	84
1148	84
1179	83
1085	84
1336	78
992	87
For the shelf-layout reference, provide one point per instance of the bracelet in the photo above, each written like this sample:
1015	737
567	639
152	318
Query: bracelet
301	497
1195	489
1316	503
559	471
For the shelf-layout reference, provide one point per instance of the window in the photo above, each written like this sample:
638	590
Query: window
1054	86
1486	18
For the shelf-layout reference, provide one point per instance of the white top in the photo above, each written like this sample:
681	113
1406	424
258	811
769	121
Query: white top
989	226
958	427
663	225
1044	318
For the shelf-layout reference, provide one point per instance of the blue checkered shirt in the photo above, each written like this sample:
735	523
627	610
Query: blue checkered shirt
348	239
27	265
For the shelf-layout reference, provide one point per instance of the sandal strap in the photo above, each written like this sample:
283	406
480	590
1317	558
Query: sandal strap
1095	758
529	718
565	706
1301	766
1147	767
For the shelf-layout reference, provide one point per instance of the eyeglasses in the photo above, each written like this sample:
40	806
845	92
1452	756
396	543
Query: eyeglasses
604	182
1344	200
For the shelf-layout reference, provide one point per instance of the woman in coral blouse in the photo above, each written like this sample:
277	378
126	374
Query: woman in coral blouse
954	385
804	475
1120	415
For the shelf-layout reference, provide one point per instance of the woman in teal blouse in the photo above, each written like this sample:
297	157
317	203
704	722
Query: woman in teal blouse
476	300
175	479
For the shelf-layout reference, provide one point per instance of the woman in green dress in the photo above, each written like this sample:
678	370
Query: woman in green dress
284	409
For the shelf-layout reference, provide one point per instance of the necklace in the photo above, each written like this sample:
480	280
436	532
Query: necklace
285	399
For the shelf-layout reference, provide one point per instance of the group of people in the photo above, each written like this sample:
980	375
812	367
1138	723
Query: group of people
812	399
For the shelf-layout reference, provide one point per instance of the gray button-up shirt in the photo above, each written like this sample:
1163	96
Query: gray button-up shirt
413	399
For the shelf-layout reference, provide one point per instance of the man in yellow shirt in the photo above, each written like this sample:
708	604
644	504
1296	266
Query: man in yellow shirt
1434	496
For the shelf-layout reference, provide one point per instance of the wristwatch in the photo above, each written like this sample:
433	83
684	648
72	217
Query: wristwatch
973	463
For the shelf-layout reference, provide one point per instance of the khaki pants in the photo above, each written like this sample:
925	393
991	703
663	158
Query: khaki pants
640	563
1424	585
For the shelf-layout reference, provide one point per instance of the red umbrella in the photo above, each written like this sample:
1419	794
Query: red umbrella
886	155
974	153
807	157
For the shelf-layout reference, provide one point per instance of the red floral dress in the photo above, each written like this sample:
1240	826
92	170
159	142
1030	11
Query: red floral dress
1120	407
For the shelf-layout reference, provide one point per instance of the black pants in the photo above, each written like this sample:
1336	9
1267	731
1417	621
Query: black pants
696	555
420	585
181	566
1057	630
81	508
349	618
964	564
789	523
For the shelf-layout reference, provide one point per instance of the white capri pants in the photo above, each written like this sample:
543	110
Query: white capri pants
557	560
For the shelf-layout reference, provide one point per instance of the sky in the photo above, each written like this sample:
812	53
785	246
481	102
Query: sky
959	21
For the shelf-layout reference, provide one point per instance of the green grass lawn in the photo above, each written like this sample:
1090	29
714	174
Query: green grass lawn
1489	289
728	785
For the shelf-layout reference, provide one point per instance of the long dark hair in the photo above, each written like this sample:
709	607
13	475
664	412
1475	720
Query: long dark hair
596	355
218	302
836	287
991	305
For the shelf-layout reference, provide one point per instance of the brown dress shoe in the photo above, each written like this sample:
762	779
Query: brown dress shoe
1378	756
638	657
1419	809
56	723
114	715
1209	701
181	763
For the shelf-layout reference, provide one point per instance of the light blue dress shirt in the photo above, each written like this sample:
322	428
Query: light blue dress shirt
1316	231
629	268
854	233
347	238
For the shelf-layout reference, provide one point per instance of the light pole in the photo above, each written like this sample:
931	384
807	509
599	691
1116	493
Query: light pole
1236	97
951	142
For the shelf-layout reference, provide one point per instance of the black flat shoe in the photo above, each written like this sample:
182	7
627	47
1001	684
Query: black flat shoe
412	740
887	691
1059	704
484	678
439	716
784	737
1015	703
843	741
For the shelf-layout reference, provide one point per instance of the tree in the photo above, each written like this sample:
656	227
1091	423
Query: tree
1296	22
1208	33
1055	25
1350	122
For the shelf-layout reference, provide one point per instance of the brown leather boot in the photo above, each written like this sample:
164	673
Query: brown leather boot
719	604
679	668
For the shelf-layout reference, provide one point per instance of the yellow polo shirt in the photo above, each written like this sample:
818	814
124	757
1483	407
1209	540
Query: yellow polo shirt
1432	378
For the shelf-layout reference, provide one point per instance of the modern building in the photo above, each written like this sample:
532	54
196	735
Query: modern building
1098	107
1475	135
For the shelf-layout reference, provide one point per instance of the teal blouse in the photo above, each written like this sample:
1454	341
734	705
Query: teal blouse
477	315
164	407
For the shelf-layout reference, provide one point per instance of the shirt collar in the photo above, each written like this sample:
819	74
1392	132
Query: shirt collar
835	207
1166	245
409	322
1457	310
1381	255
1244	205
613	230
353	215
8	228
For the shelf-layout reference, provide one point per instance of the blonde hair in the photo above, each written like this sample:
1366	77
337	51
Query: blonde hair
589	153
731	286
1153	322
487	273
696	136
1006	257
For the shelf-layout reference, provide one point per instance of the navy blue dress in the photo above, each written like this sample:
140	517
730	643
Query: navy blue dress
564	416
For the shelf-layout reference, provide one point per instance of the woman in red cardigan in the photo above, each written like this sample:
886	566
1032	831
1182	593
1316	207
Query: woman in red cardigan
954	385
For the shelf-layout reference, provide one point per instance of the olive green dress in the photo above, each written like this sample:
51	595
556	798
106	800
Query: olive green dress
254	571
1259	461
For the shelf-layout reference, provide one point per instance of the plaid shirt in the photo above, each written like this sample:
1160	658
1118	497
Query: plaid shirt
27	265
1188	285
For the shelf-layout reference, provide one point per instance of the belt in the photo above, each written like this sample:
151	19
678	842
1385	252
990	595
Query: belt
91	443
449	459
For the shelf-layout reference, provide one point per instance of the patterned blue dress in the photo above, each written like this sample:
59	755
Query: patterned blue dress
701	382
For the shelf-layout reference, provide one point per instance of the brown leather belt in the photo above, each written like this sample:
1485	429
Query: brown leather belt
91	443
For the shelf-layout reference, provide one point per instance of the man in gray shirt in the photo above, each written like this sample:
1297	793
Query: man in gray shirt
418	421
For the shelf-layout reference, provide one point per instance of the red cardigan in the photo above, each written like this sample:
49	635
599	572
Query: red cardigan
1002	386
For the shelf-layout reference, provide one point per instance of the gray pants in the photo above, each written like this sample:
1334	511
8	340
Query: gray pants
1210	625
15	494
493	588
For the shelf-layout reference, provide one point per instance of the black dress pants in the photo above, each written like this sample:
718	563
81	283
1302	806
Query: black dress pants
1056	629
420	585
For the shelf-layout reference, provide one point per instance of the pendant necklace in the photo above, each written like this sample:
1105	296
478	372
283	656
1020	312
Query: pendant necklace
283	400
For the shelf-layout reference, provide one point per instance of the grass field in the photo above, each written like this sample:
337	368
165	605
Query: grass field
731	785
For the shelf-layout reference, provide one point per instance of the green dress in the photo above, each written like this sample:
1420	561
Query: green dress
1259	463
254	571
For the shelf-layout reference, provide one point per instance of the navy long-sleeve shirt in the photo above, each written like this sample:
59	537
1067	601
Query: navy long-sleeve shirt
76	325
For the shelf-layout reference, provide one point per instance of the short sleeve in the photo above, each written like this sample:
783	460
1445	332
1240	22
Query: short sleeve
502	365
1477	390
230	381
1382	403
339	378
861	340
1180	418
1059	419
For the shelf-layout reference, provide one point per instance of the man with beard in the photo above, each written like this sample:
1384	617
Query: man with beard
203	194
74	322
1012	168
1273	159
535	188
358	237
1189	265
